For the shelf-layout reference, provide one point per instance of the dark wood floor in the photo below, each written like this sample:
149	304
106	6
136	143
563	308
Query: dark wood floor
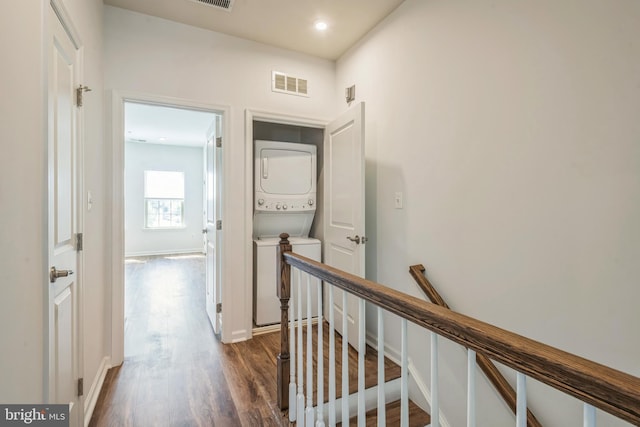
177	373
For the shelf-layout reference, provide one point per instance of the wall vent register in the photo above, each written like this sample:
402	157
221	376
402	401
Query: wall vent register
219	4
284	83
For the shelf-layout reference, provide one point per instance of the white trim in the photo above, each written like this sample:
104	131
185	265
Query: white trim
240	335
418	390
392	394
261	330
284	119
420	385
167	252
92	397
115	126
67	23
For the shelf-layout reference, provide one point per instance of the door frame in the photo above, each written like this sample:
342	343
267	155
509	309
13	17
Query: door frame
214	131
62	14
268	117
116	129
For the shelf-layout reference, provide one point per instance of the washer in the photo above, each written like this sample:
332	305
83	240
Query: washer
266	305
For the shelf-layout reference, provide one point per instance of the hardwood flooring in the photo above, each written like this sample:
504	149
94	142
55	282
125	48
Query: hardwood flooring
177	373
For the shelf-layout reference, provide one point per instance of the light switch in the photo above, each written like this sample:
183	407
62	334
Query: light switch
398	200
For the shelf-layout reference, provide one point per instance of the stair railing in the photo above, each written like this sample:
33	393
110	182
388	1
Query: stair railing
498	380
596	385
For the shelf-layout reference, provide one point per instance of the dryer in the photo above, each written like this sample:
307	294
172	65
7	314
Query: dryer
284	188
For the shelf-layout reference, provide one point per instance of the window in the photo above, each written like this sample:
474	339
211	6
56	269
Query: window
163	199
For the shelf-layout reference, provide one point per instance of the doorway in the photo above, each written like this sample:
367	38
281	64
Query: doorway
342	162
288	129
161	208
164	205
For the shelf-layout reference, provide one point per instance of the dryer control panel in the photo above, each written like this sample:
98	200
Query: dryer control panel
269	204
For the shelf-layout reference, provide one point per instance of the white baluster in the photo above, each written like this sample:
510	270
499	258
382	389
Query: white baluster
471	388
404	375
521	400
332	361
309	412
382	403
435	394
300	396
320	399
589	415
345	361
361	345
292	357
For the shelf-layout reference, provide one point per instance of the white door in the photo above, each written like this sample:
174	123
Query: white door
344	207
63	296
213	236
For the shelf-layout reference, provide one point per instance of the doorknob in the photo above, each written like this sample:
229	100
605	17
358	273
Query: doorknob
204	231
354	239
54	274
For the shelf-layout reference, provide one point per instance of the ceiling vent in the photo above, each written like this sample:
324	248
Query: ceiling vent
218	4
284	83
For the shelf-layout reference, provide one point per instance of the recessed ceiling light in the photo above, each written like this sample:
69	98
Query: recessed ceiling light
162	138
320	25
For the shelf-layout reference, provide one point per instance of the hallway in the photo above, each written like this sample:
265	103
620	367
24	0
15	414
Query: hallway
176	372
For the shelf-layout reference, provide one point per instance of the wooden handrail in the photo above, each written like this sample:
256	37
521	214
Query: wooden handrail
613	391
493	374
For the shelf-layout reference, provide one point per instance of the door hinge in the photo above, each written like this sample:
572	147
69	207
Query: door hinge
80	93
219	307
219	224
80	386
219	142
79	242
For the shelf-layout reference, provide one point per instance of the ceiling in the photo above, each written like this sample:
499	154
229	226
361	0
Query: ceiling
154	124
287	24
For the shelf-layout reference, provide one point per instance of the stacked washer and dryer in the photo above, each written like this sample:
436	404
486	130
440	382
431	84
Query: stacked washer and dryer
284	202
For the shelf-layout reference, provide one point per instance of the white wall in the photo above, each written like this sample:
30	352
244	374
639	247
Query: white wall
22	203
144	54
23	196
142	157
512	130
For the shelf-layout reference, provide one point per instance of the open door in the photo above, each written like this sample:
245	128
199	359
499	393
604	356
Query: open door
63	289
213	224
344	207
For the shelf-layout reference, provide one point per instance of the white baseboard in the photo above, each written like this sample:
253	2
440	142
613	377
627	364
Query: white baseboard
423	391
419	392
260	330
391	392
240	335
165	252
96	386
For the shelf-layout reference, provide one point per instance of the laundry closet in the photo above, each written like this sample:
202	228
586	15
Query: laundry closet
287	197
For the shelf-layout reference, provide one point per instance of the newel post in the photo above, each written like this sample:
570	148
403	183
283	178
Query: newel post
284	293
